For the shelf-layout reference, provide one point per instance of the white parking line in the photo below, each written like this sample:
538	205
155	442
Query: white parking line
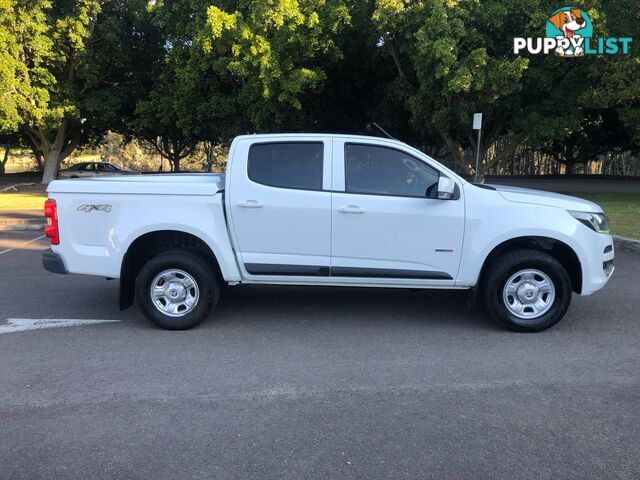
22	245
24	324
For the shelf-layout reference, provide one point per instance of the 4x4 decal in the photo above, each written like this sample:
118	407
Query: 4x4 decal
89	208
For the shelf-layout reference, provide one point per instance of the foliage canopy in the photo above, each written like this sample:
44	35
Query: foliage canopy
176	73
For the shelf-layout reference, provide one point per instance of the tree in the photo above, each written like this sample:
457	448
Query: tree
5	159
157	123
215	156
8	142
578	110
452	59
184	103
275	52
235	67
24	49
71	70
17	141
614	83
46	43
352	95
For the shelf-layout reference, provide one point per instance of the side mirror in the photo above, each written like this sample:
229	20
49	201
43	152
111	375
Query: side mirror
446	188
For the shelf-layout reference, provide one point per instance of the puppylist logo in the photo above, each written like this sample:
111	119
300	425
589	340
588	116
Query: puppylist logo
569	33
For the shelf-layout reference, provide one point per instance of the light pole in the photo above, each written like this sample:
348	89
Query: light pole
477	125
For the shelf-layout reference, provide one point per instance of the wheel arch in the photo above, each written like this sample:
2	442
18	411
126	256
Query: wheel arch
558	249
152	243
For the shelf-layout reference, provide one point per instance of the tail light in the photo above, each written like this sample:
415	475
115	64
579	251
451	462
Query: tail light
51	214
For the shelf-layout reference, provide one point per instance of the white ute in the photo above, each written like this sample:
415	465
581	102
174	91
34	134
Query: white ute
303	209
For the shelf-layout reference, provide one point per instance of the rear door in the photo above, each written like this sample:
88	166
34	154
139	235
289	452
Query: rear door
280	206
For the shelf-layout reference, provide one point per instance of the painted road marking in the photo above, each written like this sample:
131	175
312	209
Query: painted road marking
22	244
24	324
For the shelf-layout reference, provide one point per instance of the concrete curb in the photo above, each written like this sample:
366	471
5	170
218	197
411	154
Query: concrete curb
17	227
21	220
630	243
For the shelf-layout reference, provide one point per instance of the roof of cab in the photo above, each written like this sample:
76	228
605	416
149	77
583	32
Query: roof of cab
261	136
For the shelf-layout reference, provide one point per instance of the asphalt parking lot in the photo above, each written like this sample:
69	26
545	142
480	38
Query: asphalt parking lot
313	383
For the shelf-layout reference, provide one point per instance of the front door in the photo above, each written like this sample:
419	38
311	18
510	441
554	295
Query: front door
280	203
388	225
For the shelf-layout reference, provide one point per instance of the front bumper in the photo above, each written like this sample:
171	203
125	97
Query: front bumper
52	262
599	268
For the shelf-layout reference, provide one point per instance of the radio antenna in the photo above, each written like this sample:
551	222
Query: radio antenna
383	130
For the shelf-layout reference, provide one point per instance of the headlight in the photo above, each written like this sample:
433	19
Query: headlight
595	221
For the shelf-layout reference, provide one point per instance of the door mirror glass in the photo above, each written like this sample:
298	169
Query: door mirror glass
446	188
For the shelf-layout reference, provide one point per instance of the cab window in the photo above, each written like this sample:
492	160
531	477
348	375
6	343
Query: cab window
375	170
295	165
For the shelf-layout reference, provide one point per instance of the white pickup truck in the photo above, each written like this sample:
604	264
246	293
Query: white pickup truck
335	210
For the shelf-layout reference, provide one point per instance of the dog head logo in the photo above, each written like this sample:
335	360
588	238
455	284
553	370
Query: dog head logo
571	24
568	21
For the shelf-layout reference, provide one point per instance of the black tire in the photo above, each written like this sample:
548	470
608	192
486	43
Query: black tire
203	275
501	270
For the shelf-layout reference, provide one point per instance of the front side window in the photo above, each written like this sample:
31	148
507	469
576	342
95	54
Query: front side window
377	170
287	165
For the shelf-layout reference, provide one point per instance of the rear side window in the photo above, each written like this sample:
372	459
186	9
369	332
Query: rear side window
287	165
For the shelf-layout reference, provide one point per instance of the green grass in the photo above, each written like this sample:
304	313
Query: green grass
622	208
22	201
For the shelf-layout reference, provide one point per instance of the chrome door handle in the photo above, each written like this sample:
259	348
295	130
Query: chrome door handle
350	209
250	204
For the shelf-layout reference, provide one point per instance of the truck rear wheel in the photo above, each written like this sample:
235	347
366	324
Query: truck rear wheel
527	290
176	290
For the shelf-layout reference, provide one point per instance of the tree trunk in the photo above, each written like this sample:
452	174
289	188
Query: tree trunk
396	58
7	152
568	167
53	152
39	162
210	154
506	151
37	154
52	160
172	149
457	151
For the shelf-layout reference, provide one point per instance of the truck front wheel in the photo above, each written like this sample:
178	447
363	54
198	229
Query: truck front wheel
527	290
176	290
